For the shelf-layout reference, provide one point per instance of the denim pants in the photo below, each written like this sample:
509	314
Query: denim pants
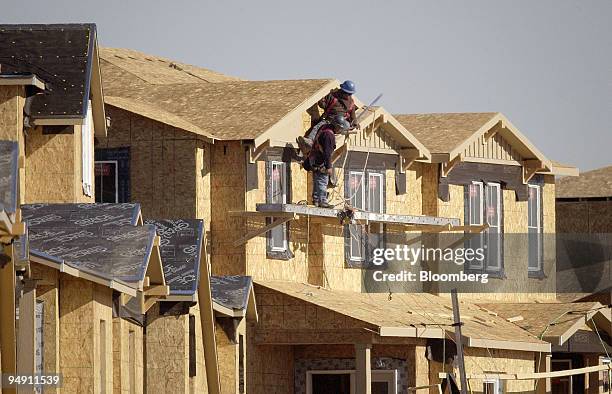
319	186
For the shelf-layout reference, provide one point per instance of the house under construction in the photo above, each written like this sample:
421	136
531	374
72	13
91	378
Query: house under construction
217	275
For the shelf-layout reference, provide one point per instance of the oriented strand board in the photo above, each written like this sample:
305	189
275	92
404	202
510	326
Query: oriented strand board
83	308
128	357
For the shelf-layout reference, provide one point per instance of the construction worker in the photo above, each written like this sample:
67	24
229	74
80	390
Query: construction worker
319	158
337	102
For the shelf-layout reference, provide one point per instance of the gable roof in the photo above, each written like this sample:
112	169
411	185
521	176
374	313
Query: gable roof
181	249
590	184
553	322
158	70
226	110
441	133
447	135
100	242
64	56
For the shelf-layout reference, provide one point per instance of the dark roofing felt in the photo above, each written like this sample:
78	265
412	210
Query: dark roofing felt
9	178
97	238
59	54
231	291
180	249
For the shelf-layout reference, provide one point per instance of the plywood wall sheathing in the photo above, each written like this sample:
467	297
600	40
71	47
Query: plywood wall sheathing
83	306
128	357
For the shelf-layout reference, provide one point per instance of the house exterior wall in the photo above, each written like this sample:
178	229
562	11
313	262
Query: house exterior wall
167	165
516	284
167	353
128	369
586	216
86	356
227	192
12	100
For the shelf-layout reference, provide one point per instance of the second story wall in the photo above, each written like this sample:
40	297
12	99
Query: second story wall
513	281
12	100
168	169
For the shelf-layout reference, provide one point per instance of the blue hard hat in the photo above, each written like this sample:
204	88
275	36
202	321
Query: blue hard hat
348	87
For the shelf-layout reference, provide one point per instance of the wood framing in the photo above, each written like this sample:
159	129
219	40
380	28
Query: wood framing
207	321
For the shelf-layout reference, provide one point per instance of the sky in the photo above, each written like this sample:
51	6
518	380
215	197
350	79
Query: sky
546	64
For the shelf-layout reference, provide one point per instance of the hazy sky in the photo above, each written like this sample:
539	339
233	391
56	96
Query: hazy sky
547	65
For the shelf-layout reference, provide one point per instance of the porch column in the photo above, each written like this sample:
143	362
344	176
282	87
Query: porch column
26	336
591	380
363	366
543	364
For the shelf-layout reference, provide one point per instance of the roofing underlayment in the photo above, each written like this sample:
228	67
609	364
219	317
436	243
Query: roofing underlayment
61	55
553	322
591	184
181	250
231	291
406	315
99	239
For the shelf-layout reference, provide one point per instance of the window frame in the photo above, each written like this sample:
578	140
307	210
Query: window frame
353	260
483	238
539	227
116	163
498	209
274	251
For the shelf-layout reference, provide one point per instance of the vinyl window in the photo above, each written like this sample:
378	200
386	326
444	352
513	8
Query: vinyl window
493	386
87	152
534	228
278	189
494	233
366	191
107	181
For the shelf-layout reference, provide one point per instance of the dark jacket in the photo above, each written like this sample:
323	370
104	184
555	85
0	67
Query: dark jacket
323	148
336	103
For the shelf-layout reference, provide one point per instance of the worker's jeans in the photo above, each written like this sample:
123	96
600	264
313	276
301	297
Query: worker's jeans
319	186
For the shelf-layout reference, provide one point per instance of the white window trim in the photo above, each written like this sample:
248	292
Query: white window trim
496	385
569	362
480	208
380	191
379	375
87	152
498	226
283	176
538	226
116	163
360	185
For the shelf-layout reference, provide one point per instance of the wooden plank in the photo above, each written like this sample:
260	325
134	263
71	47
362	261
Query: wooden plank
26	336
7	321
363	366
207	320
157	290
252	234
536	375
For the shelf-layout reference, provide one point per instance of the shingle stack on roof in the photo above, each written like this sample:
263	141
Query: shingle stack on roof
590	184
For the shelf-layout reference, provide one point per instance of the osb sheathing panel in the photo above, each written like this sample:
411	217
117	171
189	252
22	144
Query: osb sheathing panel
516	285
269	368
227	359
12	101
167	353
227	193
198	383
121	357
83	305
47	291
164	167
202	175
479	361
258	263
584	217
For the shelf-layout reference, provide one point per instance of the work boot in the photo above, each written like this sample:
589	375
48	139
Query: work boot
325	205
305	144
